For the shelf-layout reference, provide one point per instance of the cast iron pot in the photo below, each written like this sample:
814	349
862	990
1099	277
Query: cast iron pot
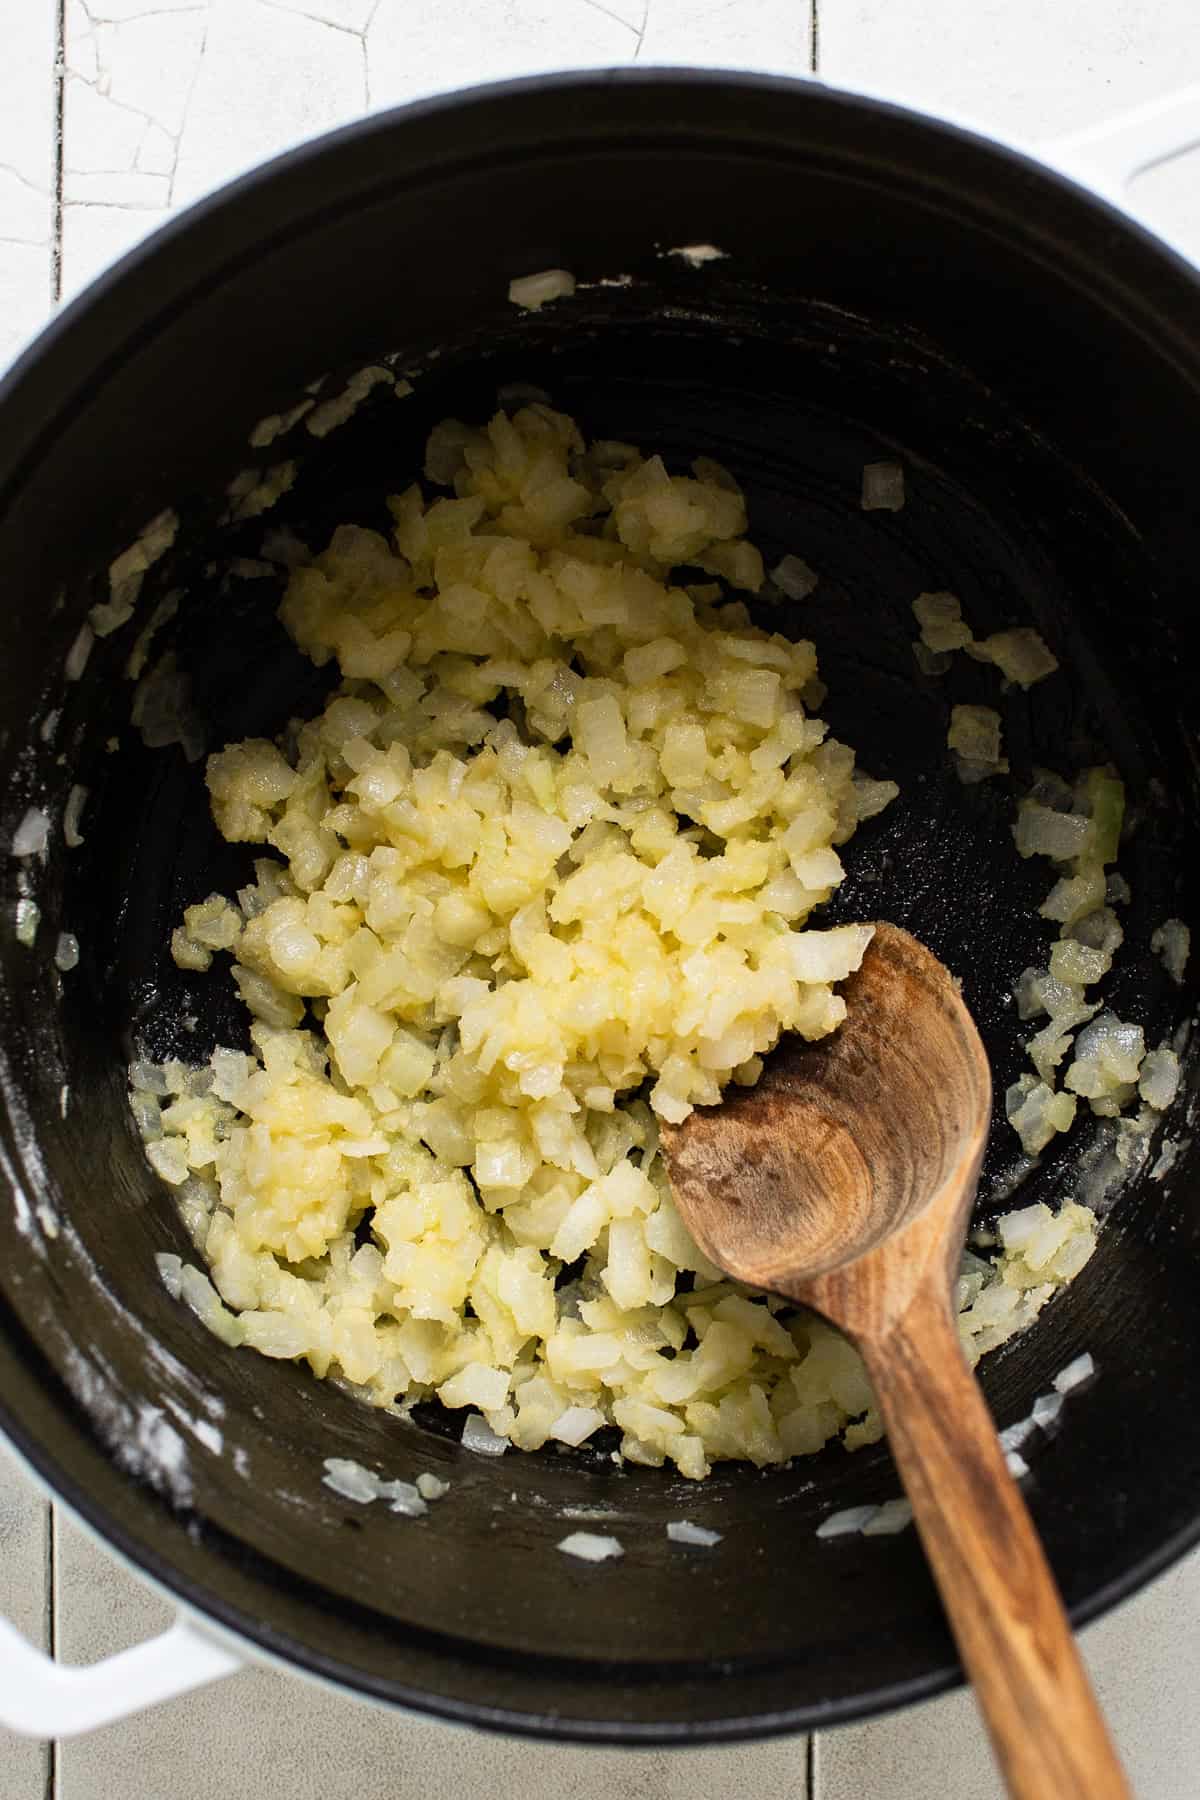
892	287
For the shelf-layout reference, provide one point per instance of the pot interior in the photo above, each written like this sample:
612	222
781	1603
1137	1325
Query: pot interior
865	311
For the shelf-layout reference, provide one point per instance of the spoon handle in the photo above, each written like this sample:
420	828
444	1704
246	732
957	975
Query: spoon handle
1004	1607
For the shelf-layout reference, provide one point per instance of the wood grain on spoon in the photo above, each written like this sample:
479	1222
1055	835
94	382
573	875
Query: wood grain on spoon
844	1180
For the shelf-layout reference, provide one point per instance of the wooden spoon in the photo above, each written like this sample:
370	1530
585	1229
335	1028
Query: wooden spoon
844	1181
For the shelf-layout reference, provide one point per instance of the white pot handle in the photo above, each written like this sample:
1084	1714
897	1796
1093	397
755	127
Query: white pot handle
41	1698
1109	156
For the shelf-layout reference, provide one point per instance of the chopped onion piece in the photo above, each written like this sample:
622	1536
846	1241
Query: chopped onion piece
696	255
77	655
1076	964
72	812
577	1424
1108	1056
66	952
478	1435
432	1487
1020	655
1013	1436
1046	1409
1167	1158
1075	1374
941	621
32	834
682	1531
794	578
1018	1468
975	733
841	1524
1039	831
170	1271
534	291
882	487
590	1546
1158	1079
168	1158
1036	1112
891	1517
405	1498
1172	941
350	1480
29	917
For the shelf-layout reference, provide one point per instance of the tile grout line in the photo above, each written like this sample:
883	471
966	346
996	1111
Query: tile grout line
60	85
812	1768
814	37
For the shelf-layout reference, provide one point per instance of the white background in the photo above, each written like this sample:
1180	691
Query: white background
113	114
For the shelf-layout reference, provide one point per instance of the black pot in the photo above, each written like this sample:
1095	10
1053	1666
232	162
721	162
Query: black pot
891	286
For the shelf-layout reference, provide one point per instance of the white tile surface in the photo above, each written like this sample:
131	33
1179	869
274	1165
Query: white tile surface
27	169
774	34
1143	1661
1030	71
259	1734
163	100
1031	68
24	1596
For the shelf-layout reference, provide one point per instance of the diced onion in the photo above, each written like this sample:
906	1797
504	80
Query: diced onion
590	1546
794	578
1075	1373
1020	655
1159	1077
940	618
32	834
891	1517
842	1524
882	487
477	1435
682	1531
77	655
351	1480
1172	941
29	917
1013	1436
534	291
66	952
170	1270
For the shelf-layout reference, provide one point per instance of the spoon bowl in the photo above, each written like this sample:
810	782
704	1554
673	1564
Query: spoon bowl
846	1141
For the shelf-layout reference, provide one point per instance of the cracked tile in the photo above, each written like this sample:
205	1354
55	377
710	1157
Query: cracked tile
25	212
477	40
269	78
1029	70
150	62
156	152
27	128
350	15
773	34
100	137
630	12
118	11
134	189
